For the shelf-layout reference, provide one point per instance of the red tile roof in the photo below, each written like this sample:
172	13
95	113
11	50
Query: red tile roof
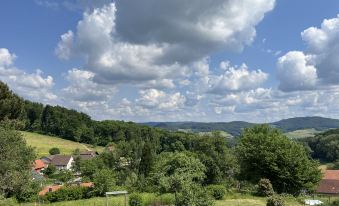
51	188
328	187
39	164
331	175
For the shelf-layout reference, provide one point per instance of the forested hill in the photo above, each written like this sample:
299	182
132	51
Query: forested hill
69	124
235	128
317	123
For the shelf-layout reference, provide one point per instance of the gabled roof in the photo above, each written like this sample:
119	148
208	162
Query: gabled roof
61	160
39	164
328	187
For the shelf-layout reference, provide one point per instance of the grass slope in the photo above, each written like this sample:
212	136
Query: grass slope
43	143
303	133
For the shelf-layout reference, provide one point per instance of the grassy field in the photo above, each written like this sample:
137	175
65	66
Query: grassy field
233	200
299	134
42	144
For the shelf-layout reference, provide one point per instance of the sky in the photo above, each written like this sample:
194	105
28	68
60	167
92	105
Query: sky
178	60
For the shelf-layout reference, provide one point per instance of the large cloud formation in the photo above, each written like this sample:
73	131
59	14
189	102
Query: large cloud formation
30	85
134	41
316	67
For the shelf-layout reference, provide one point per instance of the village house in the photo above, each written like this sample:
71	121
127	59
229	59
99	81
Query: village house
329	185
62	162
39	165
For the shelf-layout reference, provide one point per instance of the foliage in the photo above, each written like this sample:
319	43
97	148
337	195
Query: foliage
264	152
11	106
181	174
217	191
264	188
173	171
29	192
63	176
325	146
275	200
334	203
50	170
54	151
104	181
7	201
68	193
15	163
135	199
195	195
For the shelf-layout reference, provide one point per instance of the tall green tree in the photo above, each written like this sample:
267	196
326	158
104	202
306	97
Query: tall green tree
16	160
177	173
264	152
12	110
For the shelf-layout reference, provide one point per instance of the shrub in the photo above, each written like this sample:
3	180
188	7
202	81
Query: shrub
68	193
7	201
335	203
275	200
54	151
135	199
264	188
217	191
194	195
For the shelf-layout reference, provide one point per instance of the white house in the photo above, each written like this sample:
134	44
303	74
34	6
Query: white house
62	162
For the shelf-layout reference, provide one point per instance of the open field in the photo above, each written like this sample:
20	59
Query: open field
303	133
42	144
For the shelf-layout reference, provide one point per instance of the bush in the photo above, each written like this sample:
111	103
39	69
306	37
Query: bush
135	199
68	193
54	151
335	203
275	201
264	188
194	195
217	191
7	201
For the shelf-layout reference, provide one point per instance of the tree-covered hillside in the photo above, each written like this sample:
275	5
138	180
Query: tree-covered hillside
236	127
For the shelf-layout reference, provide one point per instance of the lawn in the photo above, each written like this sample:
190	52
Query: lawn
237	200
42	144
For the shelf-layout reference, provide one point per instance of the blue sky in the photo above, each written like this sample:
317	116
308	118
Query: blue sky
224	60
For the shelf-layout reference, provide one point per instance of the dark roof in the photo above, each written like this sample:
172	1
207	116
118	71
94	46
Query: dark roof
61	160
88	155
328	186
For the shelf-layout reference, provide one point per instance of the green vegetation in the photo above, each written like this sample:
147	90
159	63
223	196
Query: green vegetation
303	133
181	167
325	146
43	143
265	152
309	124
15	166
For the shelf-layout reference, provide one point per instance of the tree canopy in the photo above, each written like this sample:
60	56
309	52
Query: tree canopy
264	152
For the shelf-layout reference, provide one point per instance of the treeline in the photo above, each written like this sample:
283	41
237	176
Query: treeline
66	123
324	146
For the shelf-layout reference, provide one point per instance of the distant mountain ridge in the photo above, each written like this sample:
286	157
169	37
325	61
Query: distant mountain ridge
235	127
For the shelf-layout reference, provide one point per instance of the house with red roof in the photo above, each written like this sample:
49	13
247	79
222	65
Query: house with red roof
329	185
39	165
